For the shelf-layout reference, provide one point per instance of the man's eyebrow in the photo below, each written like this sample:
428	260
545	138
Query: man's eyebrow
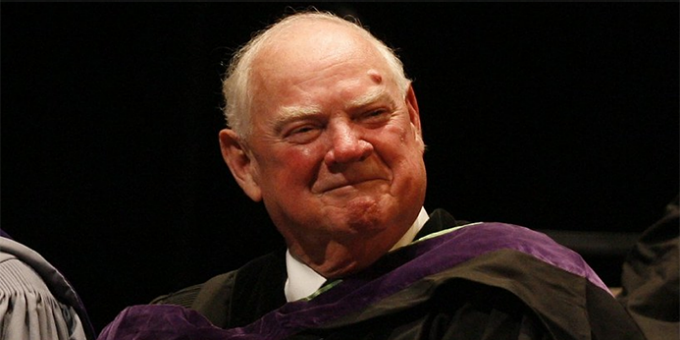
292	113
369	98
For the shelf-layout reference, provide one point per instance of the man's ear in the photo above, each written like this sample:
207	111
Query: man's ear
414	114
240	163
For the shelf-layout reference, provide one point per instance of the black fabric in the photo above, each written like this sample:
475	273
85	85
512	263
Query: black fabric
242	296
184	297
504	295
238	297
650	278
213	299
500	295
258	289
458	310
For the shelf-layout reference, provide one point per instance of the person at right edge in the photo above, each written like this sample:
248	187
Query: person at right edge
649	278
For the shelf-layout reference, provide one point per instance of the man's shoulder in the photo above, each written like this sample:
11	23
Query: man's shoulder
187	297
259	279
211	298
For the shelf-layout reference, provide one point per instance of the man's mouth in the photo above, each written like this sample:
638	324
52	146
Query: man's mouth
348	184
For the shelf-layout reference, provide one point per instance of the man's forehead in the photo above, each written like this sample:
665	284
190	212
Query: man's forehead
297	112
373	95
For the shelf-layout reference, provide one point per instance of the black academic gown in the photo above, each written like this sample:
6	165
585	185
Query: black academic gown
240	297
504	294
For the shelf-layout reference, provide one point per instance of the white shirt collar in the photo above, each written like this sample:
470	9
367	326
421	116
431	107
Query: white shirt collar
303	281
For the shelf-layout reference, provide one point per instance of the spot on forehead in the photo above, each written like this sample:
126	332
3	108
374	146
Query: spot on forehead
375	76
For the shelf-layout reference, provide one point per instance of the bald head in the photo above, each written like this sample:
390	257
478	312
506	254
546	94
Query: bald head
302	38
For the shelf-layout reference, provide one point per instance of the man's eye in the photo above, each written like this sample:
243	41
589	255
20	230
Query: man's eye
302	134
375	116
302	130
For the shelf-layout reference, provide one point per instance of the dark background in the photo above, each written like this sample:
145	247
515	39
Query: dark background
552	116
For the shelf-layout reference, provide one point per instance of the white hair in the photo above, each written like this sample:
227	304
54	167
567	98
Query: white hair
236	84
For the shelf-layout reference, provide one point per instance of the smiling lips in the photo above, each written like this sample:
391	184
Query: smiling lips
354	178
346	184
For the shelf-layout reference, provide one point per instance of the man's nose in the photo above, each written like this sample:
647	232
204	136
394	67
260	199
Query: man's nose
347	146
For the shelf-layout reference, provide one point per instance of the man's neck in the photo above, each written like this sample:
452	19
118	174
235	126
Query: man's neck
303	281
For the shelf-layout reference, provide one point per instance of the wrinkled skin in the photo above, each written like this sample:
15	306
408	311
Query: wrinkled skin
336	151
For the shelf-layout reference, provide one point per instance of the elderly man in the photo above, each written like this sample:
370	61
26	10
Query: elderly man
325	131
